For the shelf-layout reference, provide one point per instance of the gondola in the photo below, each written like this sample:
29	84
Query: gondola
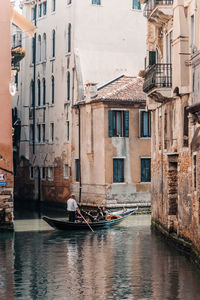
115	218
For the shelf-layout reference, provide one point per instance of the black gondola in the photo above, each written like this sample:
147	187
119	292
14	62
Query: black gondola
62	224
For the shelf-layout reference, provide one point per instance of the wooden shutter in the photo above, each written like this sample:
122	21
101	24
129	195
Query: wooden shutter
126	123
145	170
152	58
111	122
115	168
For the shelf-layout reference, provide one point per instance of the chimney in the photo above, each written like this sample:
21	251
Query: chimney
90	91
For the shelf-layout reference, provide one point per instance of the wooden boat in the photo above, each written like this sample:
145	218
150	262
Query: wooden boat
114	218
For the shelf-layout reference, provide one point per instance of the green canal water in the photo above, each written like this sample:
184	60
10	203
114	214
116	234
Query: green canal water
125	262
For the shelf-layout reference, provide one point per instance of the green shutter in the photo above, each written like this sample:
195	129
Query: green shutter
115	167
152	58
145	170
126	123
111	123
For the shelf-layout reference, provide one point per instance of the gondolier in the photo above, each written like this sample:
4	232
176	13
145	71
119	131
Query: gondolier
72	207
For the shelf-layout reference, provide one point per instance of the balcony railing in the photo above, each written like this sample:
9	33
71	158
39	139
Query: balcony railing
158	76
151	5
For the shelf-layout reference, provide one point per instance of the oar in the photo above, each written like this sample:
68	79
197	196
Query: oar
85	221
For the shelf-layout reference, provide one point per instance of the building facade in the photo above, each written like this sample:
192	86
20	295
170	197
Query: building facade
70	49
171	82
114	165
6	166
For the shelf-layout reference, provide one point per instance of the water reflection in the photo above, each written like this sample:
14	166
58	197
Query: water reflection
126	262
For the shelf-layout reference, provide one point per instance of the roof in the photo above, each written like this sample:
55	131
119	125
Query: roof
124	88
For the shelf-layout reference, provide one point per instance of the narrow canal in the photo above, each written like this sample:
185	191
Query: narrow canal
125	262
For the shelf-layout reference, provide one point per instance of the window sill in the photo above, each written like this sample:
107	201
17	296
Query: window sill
53	12
145	181
50	143
52	58
119	183
138	10
50	179
66	177
67	53
42	17
145	138
67	102
41	106
51	105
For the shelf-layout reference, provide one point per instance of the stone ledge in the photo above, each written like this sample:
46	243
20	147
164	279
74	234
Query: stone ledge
180	242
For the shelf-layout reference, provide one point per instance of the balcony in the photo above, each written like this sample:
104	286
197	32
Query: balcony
158	11
158	76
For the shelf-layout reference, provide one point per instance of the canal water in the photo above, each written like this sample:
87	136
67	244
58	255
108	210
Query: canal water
125	262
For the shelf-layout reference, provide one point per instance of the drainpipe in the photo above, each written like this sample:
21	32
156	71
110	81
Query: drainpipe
79	150
34	77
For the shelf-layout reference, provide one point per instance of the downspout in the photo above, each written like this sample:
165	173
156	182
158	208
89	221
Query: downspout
34	77
79	150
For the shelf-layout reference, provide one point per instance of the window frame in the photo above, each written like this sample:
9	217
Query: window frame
136	3
141	175
50	173
96	2
117	160
113	123
31	173
43	173
77	169
141	124
64	169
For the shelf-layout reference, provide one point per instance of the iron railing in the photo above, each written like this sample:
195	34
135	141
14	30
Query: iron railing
158	76
151	5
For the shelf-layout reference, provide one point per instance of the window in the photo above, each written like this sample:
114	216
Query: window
169	39
192	31
44	47
77	165
40	10
31	173
39	133
32	93
39	94
50	173
43	133
52	89
53	5
69	2
43	173
33	13
43	91
53	43
185	127
136	4
69	38
66	171
16	80
152	58
118	170
51	132
118	123
145	169
39	48
68	86
195	171
33	51
145	124
45	8
97	2
31	133
67	131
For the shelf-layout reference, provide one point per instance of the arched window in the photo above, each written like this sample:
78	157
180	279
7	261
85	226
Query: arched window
44	47
53	43
68	85
39	48
52	89
39	93
69	38
32	93
43	91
